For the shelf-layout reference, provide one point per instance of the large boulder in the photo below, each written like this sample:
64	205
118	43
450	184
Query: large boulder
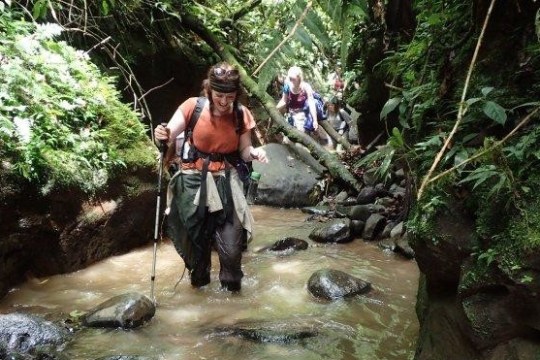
335	231
287	180
43	235
25	333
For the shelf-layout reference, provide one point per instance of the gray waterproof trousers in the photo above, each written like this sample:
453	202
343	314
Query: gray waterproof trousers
194	232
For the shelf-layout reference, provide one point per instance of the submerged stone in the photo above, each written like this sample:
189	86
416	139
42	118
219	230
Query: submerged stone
289	243
126	311
265	332
333	284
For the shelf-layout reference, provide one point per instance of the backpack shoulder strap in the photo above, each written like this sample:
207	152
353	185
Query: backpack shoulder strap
201	100
343	115
287	92
240	118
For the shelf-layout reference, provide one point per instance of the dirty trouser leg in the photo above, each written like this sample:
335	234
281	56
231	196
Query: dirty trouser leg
190	232
229	249
200	274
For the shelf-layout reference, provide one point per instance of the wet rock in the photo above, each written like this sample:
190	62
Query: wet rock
341	197
289	243
489	317
265	332
316	210
388	244
399	174
387	229
397	230
386	202
397	191
287	180
441	257
333	284
403	247
126	311
357	226
370	177
24	333
357	212
374	225
367	195
337	231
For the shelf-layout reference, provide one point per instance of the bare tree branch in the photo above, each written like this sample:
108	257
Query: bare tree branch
485	151
461	110
293	30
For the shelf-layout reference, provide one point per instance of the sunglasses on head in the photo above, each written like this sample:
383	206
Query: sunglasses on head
231	74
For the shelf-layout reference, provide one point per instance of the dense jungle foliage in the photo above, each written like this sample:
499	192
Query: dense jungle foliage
62	122
479	117
453	85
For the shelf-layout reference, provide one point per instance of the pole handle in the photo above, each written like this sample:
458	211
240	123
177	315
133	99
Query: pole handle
163	143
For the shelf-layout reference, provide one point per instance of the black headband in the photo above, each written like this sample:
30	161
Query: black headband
224	87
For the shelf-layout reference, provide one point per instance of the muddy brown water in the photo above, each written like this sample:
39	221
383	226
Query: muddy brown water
379	325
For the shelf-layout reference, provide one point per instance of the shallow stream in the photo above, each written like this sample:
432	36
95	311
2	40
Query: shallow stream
379	325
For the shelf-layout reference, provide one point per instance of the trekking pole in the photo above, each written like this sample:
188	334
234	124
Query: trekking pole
162	147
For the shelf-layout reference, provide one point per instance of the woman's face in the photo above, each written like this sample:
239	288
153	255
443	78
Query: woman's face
295	80
223	101
332	107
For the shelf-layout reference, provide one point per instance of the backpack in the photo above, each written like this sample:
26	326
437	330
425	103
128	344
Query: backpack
319	108
188	153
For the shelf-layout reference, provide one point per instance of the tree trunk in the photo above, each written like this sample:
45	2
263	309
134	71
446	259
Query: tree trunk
330	161
335	135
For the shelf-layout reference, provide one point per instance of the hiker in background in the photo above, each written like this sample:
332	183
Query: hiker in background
208	202
304	106
336	82
297	99
276	89
338	118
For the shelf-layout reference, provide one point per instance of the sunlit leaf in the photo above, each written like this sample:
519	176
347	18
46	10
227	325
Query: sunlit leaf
487	90
472	101
104	7
390	105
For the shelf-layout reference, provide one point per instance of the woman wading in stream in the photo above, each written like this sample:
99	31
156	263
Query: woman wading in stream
208	202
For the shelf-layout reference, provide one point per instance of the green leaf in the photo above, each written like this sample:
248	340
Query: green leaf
40	9
472	101
495	112
104	7
315	26
460	156
396	140
386	163
487	90
390	105
469	137
434	19
303	36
